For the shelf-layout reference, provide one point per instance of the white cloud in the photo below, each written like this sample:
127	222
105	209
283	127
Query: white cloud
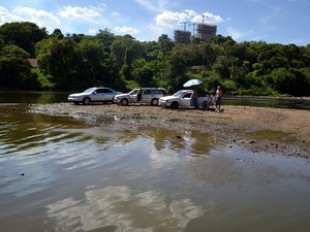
101	208
172	19
156	30
115	14
207	17
81	13
148	4
6	16
126	30
159	6
78	19
40	17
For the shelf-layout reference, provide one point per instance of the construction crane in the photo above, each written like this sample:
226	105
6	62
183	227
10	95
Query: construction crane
203	18
184	23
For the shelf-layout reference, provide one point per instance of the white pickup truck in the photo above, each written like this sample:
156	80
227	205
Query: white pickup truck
182	99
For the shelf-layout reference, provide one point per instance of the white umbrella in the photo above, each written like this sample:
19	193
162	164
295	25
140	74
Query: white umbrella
192	83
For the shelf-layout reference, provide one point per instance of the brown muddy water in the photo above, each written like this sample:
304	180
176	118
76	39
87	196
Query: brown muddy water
63	174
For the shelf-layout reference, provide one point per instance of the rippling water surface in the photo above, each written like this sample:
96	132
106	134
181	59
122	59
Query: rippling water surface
60	174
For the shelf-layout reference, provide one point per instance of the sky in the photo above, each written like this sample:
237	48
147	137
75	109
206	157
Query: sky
272	21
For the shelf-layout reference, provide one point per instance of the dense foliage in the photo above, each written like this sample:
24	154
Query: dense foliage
77	61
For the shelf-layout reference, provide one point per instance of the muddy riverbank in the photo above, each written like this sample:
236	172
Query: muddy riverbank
259	129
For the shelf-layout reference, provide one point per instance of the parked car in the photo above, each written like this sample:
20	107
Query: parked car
182	99
94	94
141	95
164	91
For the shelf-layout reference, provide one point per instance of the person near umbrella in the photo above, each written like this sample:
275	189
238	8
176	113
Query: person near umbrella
218	98
194	98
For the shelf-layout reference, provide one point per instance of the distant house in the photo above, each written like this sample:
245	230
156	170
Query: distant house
33	63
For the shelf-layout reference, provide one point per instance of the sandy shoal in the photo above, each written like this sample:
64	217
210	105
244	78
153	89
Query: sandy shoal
275	130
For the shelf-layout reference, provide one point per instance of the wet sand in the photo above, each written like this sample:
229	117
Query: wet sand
258	129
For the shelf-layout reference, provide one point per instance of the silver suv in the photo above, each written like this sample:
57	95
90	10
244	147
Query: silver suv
141	95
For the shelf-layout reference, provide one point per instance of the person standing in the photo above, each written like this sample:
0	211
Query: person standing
195	99
218	98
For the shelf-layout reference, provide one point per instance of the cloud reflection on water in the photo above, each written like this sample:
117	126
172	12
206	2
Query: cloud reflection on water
118	207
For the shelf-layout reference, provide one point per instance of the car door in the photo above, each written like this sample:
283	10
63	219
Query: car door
186	100
98	95
95	96
107	95
133	96
146	96
103	95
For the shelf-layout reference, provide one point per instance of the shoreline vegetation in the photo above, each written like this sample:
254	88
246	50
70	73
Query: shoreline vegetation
259	129
34	59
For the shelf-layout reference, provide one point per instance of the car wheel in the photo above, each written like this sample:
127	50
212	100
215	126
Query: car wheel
76	103
154	102
124	102
174	105
112	101
86	101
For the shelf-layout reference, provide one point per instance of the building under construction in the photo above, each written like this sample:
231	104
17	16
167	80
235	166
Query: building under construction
182	36
206	32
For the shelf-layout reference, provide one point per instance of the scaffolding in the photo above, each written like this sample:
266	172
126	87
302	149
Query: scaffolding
206	32
182	36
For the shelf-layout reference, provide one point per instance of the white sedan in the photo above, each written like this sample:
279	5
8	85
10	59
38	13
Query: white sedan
182	99
94	94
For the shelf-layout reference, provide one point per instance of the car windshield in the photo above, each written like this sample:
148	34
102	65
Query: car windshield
179	93
90	90
133	92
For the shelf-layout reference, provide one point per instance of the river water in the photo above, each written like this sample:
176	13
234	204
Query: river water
53	97
61	174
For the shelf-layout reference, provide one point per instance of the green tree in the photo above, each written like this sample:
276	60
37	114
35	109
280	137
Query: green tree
92	54
60	59
57	33
178	62
125	50
290	81
77	60
209	54
106	38
15	69
222	66
164	44
143	73
22	34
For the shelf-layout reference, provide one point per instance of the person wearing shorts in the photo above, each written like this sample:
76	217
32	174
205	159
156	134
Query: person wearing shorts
218	98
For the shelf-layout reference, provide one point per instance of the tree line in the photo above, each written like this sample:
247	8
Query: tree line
78	61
